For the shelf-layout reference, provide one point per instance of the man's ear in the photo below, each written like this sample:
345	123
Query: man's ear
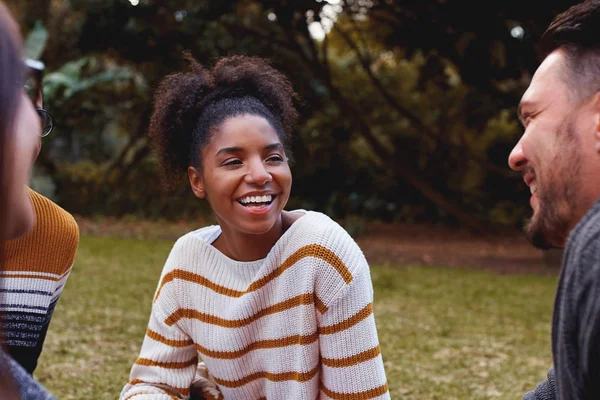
196	182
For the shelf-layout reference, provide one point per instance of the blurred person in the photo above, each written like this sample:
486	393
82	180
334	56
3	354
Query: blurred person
559	157
20	128
277	304
36	265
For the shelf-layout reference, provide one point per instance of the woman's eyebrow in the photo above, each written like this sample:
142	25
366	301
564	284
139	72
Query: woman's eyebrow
229	150
272	146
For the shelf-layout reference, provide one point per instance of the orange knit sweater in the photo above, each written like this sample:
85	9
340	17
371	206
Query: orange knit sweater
36	268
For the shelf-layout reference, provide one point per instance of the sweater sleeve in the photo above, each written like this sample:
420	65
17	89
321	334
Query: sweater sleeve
168	359
545	390
589	327
351	361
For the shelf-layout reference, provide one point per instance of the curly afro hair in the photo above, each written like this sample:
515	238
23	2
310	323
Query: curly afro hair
190	106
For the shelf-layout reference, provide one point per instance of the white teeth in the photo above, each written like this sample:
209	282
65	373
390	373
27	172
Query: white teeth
532	189
256	199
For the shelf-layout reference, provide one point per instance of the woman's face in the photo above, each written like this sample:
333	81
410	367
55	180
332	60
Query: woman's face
24	147
245	175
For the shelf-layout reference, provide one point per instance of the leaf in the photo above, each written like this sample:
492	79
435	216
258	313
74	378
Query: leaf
36	41
69	78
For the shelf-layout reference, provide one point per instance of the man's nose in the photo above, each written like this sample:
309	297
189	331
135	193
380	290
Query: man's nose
517	160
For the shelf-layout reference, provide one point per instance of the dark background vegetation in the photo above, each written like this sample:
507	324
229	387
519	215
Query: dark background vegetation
408	111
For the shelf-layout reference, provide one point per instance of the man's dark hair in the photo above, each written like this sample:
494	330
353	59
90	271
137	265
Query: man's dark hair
577	32
189	106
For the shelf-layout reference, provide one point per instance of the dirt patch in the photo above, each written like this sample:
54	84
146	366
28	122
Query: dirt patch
505	253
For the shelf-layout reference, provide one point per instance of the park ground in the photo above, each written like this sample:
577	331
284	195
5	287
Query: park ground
460	315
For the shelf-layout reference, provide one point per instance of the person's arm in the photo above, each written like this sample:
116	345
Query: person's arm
28	356
167	361
545	390
351	361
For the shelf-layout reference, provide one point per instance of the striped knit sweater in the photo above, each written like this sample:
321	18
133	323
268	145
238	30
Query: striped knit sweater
35	270
297	324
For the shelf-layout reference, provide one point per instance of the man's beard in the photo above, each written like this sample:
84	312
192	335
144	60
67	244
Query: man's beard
557	194
549	226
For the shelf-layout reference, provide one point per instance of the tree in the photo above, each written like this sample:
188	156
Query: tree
408	107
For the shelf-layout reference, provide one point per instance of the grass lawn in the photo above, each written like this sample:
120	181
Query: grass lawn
445	333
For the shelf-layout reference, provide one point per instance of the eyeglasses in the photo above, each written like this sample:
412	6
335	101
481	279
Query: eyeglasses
47	121
33	87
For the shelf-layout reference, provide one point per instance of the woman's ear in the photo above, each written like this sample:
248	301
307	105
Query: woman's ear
196	182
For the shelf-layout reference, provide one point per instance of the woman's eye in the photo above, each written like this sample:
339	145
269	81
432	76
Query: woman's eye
276	158
232	162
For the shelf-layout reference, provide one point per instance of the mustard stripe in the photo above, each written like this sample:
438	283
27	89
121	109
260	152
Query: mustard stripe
137	394
312	250
169	365
279	377
302	299
348	323
48	278
260	344
183	391
141	393
67	272
320	305
198	279
367	394
169	342
352	360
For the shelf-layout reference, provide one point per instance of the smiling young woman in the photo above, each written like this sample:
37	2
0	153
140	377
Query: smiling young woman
277	304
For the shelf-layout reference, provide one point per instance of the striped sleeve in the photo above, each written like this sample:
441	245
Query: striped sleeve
351	364
167	362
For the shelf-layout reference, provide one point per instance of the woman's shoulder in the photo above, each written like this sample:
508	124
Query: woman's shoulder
205	235
318	228
319	222
194	243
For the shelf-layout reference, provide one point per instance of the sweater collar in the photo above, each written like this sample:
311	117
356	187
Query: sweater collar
583	221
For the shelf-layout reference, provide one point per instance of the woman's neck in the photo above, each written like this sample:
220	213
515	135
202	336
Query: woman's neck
248	247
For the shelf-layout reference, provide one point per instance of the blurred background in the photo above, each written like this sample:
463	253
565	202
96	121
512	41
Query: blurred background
408	112
408	116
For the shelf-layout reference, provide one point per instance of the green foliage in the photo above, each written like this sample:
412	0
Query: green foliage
36	42
395	124
86	183
69	80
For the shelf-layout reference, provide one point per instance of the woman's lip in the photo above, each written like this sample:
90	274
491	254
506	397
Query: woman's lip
257	210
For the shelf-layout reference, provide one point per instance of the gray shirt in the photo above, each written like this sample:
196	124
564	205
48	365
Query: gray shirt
576	319
27	387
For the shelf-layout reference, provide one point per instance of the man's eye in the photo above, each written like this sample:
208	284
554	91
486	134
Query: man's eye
527	118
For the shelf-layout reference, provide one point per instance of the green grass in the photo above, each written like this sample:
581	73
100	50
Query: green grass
445	333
